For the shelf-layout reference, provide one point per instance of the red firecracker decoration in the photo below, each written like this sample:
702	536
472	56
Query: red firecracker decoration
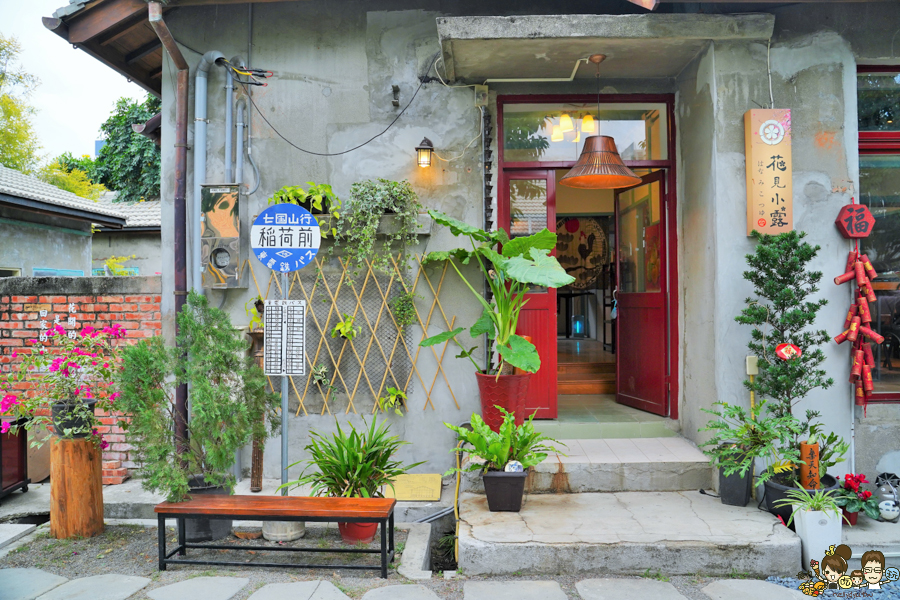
855	221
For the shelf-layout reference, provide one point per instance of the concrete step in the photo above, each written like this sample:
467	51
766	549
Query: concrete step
616	465
678	533
585	383
609	367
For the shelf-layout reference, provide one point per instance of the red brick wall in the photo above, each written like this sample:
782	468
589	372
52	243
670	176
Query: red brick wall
138	313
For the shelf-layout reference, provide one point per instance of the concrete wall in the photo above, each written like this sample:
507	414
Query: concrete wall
27	242
145	247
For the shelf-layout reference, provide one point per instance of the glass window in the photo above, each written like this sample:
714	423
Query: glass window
878	99
527	206
879	180
49	272
639	239
556	132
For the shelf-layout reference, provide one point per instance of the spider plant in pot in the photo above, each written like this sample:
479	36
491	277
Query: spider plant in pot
354	464
817	518
510	271
505	457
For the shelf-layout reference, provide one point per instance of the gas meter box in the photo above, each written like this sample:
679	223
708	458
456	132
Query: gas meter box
223	251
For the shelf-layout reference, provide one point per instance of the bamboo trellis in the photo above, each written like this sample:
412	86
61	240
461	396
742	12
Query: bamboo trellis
384	353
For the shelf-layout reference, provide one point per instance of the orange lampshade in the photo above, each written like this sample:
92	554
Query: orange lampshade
600	167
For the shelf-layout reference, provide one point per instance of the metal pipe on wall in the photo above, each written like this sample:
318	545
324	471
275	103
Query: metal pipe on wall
180	224
229	124
200	147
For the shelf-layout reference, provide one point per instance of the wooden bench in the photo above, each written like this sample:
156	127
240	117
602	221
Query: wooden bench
278	508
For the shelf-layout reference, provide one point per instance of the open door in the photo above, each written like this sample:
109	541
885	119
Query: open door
641	324
528	206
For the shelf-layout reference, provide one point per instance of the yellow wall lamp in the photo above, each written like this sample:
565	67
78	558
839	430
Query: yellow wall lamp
424	151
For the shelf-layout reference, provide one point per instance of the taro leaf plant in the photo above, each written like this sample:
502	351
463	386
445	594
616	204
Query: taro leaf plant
511	442
357	464
740	436
520	263
783	313
229	402
369	201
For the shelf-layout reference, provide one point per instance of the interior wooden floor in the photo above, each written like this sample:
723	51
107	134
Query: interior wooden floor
584	367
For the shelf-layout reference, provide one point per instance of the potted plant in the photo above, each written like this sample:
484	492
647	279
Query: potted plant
228	407
853	500
781	313
345	329
509	271
505	455
323	381
394	400
740	437
818	521
318	199
369	201
358	464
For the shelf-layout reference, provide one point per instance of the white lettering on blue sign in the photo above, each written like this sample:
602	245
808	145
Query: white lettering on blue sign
288	232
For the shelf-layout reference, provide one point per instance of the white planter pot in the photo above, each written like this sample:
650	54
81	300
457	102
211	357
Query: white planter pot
818	531
283	531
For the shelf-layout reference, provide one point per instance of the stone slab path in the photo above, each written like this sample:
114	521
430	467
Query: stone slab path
617	589
207	588
98	587
10	532
27	584
750	589
513	590
301	590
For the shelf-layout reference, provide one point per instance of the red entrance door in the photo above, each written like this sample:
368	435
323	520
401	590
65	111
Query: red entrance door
528	205
642	372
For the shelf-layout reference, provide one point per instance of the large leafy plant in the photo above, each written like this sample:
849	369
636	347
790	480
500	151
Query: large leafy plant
782	312
510	272
229	402
129	163
357	464
496	448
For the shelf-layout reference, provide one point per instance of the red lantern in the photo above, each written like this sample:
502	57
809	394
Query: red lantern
787	351
855	221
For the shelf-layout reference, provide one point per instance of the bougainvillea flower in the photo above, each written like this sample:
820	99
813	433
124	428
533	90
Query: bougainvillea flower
4	427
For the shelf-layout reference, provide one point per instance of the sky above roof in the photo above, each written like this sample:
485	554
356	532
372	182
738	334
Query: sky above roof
77	92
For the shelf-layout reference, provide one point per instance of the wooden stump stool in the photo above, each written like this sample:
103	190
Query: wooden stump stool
76	492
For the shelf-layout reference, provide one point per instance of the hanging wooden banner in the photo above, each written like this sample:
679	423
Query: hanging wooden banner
767	143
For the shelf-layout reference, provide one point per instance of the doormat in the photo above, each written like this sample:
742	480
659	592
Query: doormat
416	488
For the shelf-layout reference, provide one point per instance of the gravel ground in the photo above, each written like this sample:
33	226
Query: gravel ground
131	550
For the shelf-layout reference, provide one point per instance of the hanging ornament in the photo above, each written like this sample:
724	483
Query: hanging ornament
855	221
787	351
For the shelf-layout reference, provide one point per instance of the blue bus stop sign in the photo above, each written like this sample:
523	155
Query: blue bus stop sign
285	237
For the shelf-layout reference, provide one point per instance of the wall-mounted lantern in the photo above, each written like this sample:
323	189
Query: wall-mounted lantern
423	152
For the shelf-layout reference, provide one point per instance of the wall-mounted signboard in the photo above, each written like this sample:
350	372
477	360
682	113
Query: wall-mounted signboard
767	141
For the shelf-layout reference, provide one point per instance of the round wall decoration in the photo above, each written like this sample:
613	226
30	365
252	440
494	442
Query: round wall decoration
582	249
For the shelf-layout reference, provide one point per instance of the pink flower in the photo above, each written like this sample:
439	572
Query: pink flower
41	352
105	365
103	444
4	427
113	396
32	341
8	402
94	363
15	354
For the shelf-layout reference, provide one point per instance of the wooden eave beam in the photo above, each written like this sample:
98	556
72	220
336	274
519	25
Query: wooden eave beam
138	54
88	24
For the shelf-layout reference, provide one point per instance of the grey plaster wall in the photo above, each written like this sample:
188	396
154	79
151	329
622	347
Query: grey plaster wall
815	76
26	245
332	90
145	247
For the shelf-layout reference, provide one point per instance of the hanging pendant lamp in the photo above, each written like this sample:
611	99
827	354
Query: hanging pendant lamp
599	167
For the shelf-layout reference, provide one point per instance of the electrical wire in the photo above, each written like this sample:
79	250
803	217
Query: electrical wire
370	140
441	79
469	145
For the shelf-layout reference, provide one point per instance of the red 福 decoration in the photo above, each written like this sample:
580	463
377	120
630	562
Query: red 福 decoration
854	222
787	351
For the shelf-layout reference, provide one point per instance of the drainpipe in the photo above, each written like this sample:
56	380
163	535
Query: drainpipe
181	125
200	147
239	142
229	123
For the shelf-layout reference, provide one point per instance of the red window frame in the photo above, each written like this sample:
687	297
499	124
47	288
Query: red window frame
880	142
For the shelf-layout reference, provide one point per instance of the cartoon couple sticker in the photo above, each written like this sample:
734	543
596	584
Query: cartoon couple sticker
833	575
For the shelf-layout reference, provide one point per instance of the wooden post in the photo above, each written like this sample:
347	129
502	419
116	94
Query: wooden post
76	493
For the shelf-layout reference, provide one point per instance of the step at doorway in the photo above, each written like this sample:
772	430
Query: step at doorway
584	367
599	416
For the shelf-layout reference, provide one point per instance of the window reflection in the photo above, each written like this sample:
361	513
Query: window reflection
878	100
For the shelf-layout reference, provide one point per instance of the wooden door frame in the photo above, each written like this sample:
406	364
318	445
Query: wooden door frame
673	296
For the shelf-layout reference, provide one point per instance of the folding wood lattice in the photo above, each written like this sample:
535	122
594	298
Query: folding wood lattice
384	354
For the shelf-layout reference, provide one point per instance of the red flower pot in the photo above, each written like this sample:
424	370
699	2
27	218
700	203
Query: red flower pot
851	517
355	533
506	391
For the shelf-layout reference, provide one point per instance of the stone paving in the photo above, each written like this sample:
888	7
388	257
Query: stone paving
35	584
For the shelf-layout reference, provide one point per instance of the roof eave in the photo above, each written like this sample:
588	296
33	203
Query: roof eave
46	208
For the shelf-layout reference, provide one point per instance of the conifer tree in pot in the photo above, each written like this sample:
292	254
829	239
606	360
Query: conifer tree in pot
782	312
229	404
510	267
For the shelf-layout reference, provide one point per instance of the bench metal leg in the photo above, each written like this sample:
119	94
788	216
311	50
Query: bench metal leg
182	551
384	549
162	542
391	533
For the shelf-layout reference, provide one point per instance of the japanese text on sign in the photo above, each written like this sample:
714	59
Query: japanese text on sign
767	138
285	237
285	337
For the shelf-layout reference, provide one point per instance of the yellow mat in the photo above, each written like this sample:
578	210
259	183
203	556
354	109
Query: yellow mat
416	488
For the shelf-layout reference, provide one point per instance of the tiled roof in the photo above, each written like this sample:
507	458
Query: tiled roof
138	214
14	183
